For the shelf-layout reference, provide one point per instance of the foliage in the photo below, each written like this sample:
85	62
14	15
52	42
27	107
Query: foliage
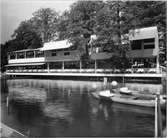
45	20
26	36
82	20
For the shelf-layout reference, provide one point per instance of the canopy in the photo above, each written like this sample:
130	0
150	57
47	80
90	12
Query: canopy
56	45
28	64
143	33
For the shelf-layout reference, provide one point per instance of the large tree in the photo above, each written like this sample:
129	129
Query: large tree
45	20
26	36
82	21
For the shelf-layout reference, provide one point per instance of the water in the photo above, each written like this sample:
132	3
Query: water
49	108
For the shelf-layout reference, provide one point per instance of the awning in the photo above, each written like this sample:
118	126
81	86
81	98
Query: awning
30	64
143	33
56	45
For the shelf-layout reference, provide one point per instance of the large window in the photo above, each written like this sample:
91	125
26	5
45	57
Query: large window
12	55
136	44
30	54
21	55
66	53
39	53
54	53
149	43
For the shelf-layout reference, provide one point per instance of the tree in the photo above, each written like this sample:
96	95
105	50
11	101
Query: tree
45	20
82	23
62	26
26	36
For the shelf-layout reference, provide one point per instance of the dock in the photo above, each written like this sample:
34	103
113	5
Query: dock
8	132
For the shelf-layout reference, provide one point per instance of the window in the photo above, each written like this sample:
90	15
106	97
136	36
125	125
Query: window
54	53
39	53
20	55
149	43
136	44
66	53
12	55
30	54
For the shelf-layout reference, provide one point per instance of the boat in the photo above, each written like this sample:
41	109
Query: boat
106	94
130	99
125	90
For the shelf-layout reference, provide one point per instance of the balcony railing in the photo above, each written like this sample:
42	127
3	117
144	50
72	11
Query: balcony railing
106	71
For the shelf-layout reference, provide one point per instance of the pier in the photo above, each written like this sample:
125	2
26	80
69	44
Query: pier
8	132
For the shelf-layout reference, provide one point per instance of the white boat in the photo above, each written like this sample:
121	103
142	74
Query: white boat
132	100
125	90
106	94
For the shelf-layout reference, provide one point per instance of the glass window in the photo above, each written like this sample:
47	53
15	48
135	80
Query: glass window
12	55
136	44
149	43
20	55
66	53
54	53
39	53
30	54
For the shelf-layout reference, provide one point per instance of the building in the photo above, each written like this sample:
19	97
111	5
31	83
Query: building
144	48
62	56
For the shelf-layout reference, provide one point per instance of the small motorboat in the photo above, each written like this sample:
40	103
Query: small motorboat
125	90
133	100
129	99
106	94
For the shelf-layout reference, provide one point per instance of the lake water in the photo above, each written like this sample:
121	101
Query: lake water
49	108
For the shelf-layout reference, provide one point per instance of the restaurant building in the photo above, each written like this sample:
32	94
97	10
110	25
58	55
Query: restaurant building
62	56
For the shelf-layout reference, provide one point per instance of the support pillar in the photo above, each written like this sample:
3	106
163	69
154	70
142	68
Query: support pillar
63	65
48	68
157	64
95	65
25	55
80	65
34	53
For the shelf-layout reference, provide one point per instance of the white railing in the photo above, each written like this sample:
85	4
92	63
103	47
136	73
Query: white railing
106	71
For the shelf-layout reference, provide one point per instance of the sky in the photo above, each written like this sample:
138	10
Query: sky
14	11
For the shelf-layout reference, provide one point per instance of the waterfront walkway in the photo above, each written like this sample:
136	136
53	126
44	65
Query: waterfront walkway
8	132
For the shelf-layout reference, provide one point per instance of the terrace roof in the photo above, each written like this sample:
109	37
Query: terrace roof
56	45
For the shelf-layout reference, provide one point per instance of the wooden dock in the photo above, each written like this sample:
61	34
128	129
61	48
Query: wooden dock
8	132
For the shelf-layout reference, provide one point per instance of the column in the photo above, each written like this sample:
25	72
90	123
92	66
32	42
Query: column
157	64
25	54
95	65
80	65
16	56
63	65
48	67
34	53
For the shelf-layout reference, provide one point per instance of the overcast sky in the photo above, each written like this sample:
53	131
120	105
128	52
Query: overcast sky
15	11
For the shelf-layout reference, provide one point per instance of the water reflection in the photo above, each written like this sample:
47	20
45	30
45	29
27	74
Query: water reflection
49	108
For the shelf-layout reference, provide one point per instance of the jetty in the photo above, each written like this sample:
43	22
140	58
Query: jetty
8	132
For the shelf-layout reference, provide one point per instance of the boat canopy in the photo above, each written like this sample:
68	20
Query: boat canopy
28	64
56	45
143	33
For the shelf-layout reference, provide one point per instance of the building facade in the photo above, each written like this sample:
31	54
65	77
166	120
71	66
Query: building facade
63	56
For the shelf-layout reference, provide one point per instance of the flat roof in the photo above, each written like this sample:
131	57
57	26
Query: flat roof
26	64
143	33
56	45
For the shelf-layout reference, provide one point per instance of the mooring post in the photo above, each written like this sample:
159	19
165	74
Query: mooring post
156	118
7	103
